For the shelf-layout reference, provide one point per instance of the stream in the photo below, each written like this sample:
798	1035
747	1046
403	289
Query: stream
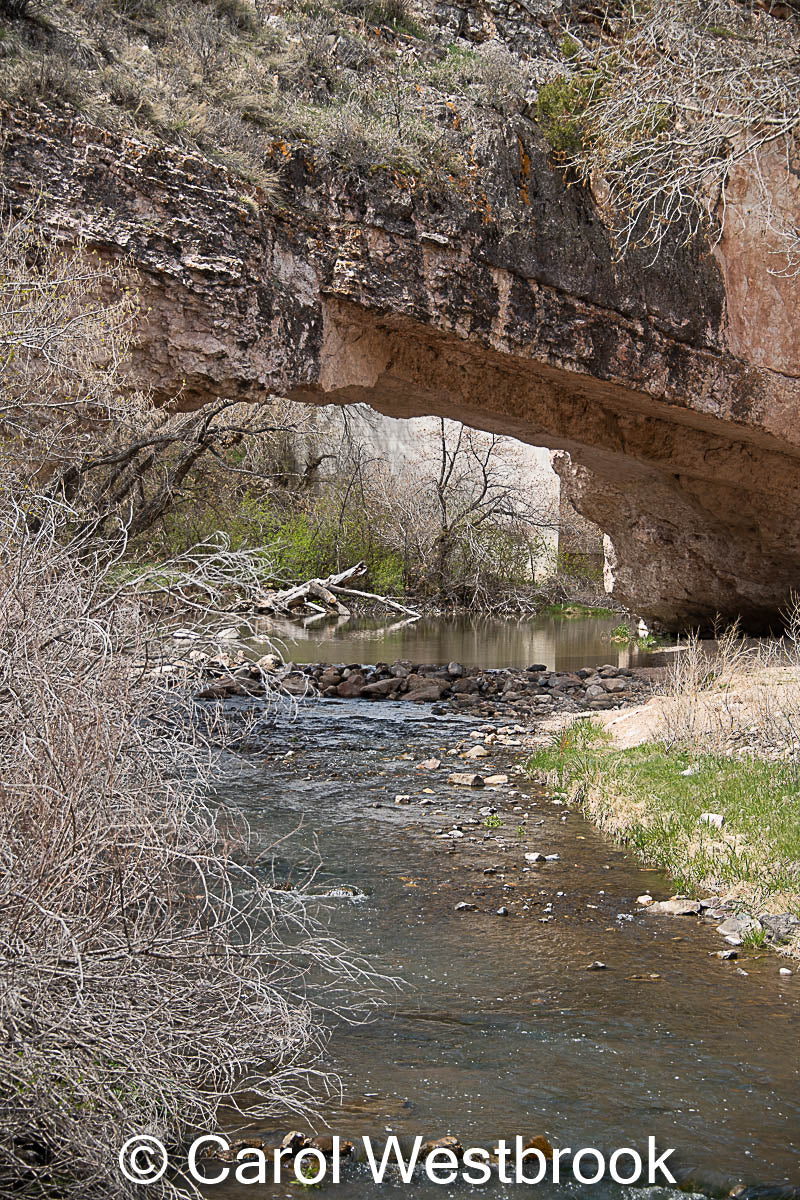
499	1028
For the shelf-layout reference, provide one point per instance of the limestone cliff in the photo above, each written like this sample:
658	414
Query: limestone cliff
674	387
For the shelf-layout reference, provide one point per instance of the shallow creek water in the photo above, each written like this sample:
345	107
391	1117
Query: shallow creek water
499	1028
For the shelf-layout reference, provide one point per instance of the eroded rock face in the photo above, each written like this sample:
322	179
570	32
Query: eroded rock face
502	307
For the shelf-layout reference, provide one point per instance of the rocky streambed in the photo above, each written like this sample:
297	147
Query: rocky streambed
540	995
534	691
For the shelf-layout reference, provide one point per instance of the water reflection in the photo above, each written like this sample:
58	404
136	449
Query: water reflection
560	643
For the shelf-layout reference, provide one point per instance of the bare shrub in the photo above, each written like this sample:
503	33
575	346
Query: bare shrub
153	971
499	78
150	972
71	429
659	116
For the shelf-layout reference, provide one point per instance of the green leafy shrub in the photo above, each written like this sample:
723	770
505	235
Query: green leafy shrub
560	109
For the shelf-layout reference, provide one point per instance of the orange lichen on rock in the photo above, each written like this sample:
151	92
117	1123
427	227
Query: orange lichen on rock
525	172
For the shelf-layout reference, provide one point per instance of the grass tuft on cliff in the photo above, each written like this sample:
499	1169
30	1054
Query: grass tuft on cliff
368	83
652	798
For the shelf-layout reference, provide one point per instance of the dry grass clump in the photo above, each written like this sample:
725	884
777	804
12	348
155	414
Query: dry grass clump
736	696
360	80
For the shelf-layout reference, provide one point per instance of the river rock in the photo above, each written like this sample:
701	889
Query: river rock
784	971
324	1143
443	1143
466	906
379	689
738	927
463	687
495	780
477	752
465	779
221	690
676	907
535	857
780	927
426	690
429	764
350	688
295	684
540	1143
455	670
645	900
294	1141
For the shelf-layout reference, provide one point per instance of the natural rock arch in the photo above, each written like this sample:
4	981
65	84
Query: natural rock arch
678	413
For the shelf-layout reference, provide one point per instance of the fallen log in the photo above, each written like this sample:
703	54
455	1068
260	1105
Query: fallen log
320	596
300	596
409	612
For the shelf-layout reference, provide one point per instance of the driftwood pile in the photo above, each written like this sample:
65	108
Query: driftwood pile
320	597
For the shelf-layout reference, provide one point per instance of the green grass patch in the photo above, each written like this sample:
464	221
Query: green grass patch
560	110
576	610
643	798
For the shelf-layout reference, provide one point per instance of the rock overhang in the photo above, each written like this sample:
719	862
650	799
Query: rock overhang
683	447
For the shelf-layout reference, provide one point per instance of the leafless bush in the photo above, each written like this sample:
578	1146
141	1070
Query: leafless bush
468	529
71	430
152	971
668	109
499	78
